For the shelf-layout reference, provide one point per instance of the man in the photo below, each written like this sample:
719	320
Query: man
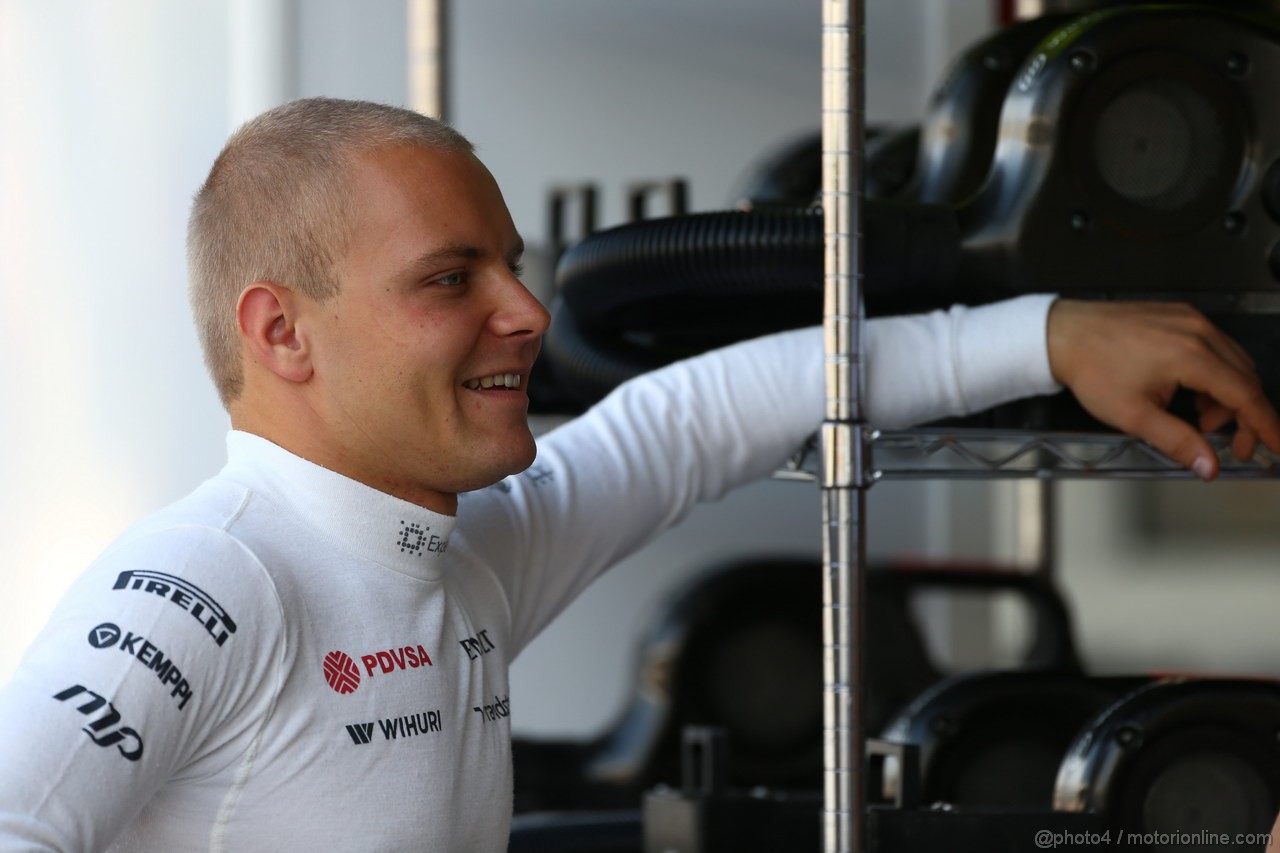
310	651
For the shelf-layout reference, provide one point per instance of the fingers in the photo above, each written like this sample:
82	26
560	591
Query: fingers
1230	383
1176	439
1125	361
1236	397
1215	417
1245	441
1244	444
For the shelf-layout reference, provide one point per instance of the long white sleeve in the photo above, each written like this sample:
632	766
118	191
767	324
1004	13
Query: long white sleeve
947	363
609	481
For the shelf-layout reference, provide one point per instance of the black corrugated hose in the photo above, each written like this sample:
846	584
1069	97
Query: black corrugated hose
641	295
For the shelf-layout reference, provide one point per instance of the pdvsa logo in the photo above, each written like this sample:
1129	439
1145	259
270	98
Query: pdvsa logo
341	673
344	676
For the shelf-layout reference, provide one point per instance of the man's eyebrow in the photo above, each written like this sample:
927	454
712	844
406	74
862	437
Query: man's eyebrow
428	261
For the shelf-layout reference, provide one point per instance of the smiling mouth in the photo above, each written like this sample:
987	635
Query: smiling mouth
498	382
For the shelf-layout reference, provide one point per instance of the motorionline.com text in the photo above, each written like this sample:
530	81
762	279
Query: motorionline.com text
1048	840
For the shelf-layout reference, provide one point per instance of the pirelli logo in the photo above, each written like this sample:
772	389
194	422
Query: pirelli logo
191	598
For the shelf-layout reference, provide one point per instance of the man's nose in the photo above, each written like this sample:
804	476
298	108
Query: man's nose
521	312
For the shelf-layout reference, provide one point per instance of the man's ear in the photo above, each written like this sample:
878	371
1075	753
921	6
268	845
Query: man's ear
267	316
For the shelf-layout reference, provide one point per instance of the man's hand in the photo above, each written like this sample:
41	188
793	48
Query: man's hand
1124	361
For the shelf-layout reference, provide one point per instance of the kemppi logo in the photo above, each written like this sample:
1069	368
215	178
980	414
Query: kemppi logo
343	674
108	635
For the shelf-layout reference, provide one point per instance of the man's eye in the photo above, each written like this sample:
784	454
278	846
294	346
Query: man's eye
453	279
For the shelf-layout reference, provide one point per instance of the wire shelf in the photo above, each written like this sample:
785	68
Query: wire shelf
974	454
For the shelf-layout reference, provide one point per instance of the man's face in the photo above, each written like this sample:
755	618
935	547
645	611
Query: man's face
430	310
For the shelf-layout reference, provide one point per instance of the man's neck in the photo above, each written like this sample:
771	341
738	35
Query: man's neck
311	441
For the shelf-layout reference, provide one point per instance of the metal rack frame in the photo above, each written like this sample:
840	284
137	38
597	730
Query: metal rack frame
848	457
844	434
970	454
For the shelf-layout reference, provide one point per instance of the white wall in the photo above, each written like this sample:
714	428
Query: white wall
110	114
1196	600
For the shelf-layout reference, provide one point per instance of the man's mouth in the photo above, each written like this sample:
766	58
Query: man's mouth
500	381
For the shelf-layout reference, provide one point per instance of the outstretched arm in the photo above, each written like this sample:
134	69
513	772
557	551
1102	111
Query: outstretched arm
636	463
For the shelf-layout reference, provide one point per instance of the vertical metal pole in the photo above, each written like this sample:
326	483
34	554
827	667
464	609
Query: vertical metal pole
844	436
428	57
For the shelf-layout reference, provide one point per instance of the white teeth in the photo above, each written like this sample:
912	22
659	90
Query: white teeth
500	380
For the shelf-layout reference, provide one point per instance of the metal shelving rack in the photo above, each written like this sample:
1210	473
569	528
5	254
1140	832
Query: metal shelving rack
845	438
969	454
848	456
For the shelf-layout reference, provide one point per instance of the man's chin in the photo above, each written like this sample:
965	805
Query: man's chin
516	462
521	463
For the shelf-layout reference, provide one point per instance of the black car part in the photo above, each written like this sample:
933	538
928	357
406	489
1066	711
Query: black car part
1178	758
1127	153
739	649
996	739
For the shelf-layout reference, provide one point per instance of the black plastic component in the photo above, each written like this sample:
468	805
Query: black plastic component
645	272
1271	191
1116	155
996	739
1154	141
893	774
975	831
764	821
704	816
740	649
651	292
960	131
759	821
704	759
1182	757
792	175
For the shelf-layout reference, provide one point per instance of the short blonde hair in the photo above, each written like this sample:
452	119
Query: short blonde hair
272	209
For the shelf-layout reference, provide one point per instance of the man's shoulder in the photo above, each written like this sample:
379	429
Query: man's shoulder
195	540
180	577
